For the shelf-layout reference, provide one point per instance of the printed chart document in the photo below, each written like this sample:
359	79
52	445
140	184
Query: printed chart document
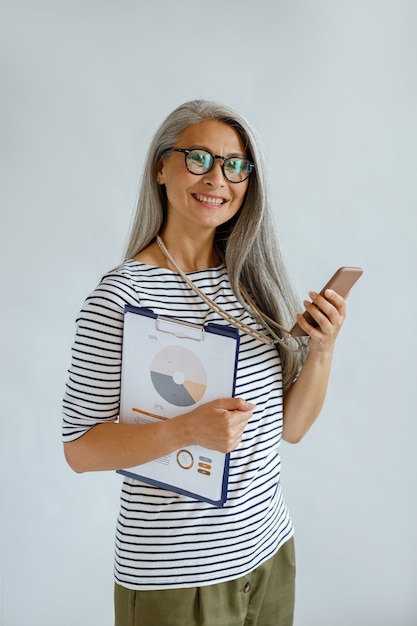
169	367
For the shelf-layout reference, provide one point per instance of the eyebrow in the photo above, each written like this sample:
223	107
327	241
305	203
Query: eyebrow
239	155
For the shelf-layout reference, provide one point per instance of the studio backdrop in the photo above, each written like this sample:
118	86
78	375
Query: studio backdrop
330	87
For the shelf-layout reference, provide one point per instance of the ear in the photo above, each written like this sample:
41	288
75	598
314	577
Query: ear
160	173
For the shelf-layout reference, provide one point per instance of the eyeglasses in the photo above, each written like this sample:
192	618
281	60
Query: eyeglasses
199	162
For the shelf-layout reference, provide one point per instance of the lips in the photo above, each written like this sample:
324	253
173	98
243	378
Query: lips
211	200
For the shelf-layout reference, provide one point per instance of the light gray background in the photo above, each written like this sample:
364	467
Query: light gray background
331	88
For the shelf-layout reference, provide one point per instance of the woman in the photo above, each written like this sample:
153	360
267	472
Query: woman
203	221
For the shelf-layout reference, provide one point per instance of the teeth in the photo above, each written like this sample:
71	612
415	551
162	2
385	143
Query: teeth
208	200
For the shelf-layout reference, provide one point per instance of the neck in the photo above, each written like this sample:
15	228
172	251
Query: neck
189	254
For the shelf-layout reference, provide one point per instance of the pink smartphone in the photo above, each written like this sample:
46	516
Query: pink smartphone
341	282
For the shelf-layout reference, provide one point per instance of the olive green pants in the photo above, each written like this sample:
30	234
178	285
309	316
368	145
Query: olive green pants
265	597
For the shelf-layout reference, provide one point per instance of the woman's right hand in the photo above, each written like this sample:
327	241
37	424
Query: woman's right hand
217	425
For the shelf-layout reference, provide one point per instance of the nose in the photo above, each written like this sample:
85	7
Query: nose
215	176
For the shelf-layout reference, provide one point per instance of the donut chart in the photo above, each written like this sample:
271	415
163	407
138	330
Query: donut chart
178	376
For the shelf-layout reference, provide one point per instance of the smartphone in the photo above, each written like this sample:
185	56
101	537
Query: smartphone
341	282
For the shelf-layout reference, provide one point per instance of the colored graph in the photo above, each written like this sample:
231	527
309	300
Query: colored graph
178	376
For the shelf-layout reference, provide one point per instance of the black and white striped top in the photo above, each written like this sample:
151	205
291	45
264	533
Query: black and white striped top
164	539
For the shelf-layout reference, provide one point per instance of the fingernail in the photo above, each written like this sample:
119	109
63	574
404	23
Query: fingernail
313	295
329	293
250	406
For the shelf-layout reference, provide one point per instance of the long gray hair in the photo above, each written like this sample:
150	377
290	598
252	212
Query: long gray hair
247	242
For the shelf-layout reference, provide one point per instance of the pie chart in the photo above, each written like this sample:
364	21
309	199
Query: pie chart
178	376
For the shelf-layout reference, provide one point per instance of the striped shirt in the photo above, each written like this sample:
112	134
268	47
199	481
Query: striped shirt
164	539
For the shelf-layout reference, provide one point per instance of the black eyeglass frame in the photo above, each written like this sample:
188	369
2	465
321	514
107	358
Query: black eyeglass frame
186	152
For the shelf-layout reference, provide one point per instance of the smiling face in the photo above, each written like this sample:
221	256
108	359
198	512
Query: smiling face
206	201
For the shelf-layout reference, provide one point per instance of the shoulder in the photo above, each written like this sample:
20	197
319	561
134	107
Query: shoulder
125	283
116	288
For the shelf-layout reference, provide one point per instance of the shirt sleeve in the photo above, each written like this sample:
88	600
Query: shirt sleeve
92	393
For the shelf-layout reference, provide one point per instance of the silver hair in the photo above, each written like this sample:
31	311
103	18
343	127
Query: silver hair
247	242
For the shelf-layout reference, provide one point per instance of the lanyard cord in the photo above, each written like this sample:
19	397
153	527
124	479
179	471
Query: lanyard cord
233	321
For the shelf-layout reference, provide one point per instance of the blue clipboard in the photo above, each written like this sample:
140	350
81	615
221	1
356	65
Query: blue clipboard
169	367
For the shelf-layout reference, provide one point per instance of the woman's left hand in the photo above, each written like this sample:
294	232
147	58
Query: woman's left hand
329	311
304	399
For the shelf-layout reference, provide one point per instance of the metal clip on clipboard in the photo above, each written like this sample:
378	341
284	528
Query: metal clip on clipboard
183	330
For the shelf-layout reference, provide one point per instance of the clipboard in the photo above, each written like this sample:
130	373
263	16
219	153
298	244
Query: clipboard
169	367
